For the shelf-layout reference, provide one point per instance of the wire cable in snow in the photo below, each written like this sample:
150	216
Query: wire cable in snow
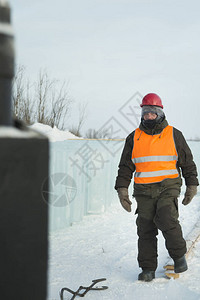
87	289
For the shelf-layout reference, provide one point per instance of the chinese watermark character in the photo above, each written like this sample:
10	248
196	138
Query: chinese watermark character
88	161
131	109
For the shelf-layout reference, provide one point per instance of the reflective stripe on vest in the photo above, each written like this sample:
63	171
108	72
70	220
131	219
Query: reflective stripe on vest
154	156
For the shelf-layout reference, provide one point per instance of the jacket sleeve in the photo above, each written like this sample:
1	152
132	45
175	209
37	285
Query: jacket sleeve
126	166
185	159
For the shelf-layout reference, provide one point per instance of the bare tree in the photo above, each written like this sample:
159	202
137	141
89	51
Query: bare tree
45	101
29	113
76	129
42	91
22	103
60	107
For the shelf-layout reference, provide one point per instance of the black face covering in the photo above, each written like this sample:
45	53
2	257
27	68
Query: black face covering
149	123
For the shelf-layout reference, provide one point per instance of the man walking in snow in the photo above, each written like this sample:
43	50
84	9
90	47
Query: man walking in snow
157	153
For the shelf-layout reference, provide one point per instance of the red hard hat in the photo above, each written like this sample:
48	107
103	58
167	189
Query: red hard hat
151	99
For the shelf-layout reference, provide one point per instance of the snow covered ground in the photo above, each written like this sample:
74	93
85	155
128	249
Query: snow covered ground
106	246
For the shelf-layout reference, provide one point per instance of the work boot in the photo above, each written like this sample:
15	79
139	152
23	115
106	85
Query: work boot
180	265
146	275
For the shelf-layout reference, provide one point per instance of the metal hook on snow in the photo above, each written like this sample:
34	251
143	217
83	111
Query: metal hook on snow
87	289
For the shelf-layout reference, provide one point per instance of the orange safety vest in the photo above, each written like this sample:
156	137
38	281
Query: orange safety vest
154	156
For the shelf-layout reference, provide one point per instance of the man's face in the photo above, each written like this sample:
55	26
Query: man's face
149	116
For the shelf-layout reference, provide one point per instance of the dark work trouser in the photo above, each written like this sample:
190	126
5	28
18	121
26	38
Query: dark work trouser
161	213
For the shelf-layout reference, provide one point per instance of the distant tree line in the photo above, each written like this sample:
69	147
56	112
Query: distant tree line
195	139
47	101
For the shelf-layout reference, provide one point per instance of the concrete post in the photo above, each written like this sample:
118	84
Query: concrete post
24	156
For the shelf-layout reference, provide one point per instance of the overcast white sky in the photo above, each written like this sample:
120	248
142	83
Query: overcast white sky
111	49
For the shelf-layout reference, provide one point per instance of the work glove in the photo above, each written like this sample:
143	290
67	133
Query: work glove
191	191
124	198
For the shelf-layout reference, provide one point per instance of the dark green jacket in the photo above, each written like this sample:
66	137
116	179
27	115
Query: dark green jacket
185	163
